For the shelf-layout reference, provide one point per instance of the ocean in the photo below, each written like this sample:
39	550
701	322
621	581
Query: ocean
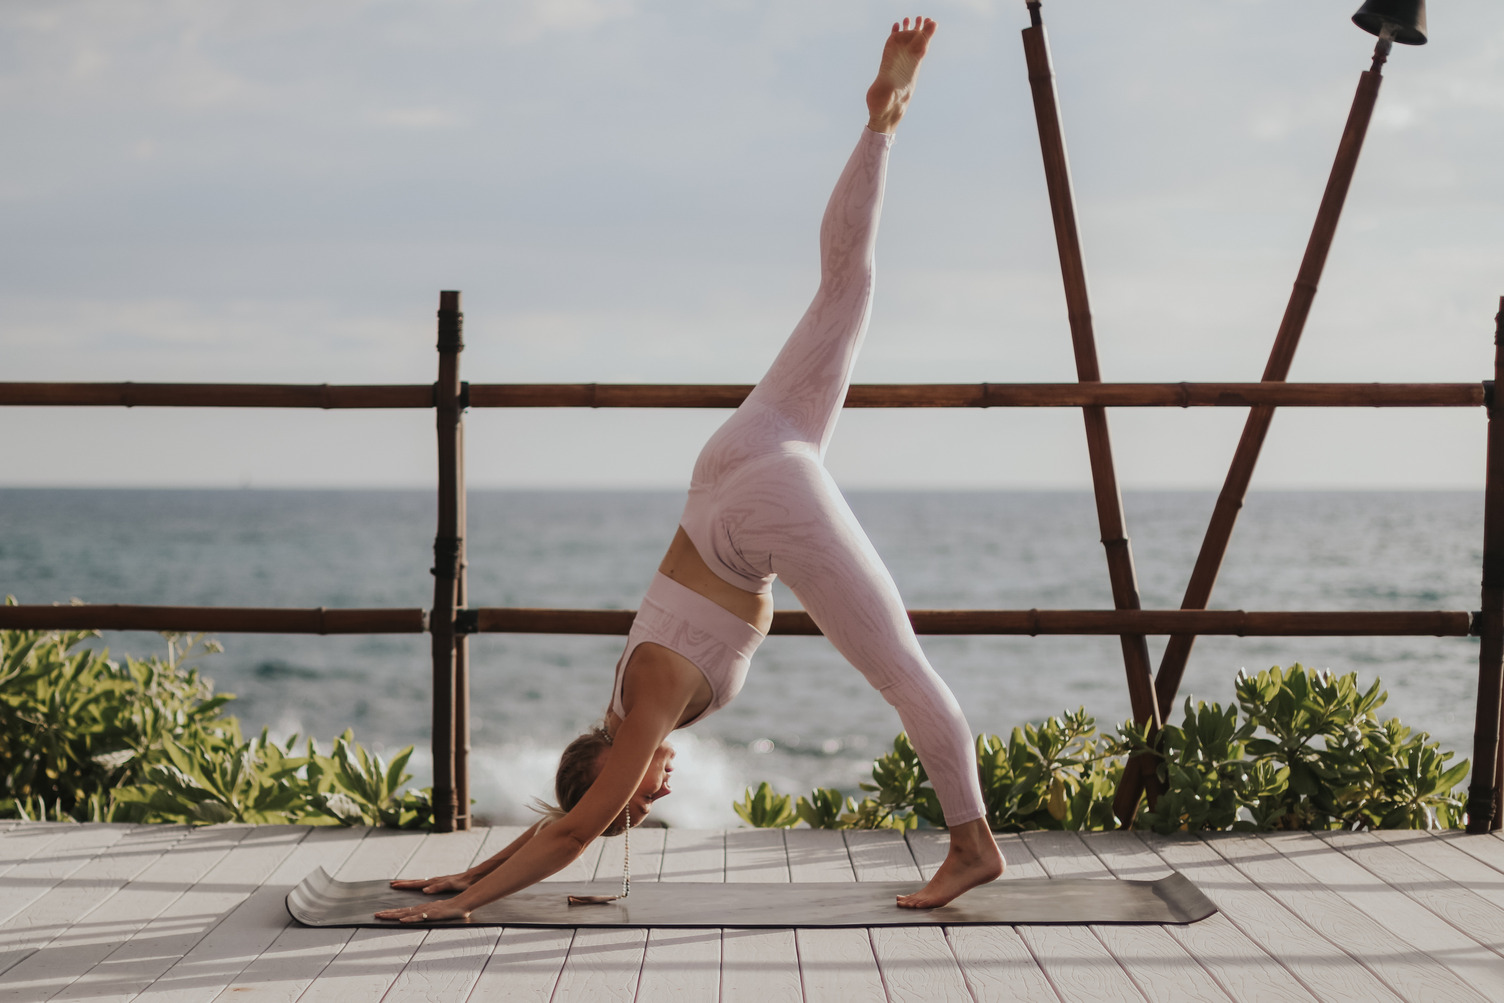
805	718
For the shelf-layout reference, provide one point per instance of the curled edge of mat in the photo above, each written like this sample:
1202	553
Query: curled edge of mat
321	901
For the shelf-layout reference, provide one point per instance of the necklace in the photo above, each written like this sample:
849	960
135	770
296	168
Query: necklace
626	857
626	871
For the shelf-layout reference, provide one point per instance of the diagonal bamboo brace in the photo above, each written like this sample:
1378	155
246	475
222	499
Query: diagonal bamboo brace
1235	488
1098	441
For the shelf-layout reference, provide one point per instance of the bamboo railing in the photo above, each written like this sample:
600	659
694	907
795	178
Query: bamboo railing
214	619
455	622
650	395
1035	622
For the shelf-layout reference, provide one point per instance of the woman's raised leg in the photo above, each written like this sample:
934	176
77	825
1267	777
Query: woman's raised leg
807	382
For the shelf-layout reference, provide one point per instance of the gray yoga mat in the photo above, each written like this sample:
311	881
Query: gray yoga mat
322	901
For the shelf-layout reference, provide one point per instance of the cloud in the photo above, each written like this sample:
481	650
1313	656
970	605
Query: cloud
545	16
420	119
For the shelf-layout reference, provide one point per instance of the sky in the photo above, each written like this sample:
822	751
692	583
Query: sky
629	190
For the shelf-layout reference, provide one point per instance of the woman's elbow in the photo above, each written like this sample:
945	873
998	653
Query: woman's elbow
572	838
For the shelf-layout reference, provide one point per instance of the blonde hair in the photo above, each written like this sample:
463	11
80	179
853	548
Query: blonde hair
579	765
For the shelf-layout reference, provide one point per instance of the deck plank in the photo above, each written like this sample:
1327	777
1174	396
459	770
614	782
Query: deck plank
51	862
1437	850
676	964
448	964
127	912
682	964
247	930
25	842
1054	948
605	963
284	970
373	959
1410	972
1076	959
916	962
994	960
1478	913
1244	970
647	856
295	954
1365	872
1486	848
36	931
1316	963
1155	961
759	966
524	963
833	964
196	911
695	855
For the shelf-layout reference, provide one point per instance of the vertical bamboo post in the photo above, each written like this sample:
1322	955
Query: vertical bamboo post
1225	514
1098	441
446	560
461	637
1486	792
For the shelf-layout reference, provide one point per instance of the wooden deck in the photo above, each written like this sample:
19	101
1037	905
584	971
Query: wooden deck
116	912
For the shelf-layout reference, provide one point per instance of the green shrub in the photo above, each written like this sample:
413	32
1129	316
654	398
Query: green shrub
87	738
1347	768
766	809
1054	775
1203	766
1308	751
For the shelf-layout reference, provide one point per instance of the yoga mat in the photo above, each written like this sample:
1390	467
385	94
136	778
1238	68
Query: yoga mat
322	901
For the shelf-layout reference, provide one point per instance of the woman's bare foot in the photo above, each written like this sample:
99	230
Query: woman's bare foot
888	97
973	859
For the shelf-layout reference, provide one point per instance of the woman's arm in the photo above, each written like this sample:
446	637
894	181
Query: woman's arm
551	848
459	882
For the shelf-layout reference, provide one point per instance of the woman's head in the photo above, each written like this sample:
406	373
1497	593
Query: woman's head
581	763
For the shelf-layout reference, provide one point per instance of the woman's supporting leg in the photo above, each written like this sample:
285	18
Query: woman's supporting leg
825	558
821	552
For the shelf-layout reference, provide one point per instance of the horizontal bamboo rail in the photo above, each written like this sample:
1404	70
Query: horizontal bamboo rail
215	619
310	395
1367	623
516	620
863	395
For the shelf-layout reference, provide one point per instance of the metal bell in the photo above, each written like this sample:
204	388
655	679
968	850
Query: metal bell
1407	18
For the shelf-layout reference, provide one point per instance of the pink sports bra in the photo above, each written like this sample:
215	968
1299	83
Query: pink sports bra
717	641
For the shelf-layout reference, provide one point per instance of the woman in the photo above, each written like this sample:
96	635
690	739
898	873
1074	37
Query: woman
761	505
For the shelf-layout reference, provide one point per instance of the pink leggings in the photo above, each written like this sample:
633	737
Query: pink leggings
761	503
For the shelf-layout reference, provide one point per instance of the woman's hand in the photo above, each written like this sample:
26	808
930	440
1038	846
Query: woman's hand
428	912
434	886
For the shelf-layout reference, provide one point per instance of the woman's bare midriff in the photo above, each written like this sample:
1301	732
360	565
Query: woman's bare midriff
684	565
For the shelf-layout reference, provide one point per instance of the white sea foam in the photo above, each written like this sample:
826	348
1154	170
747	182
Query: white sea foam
506	778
